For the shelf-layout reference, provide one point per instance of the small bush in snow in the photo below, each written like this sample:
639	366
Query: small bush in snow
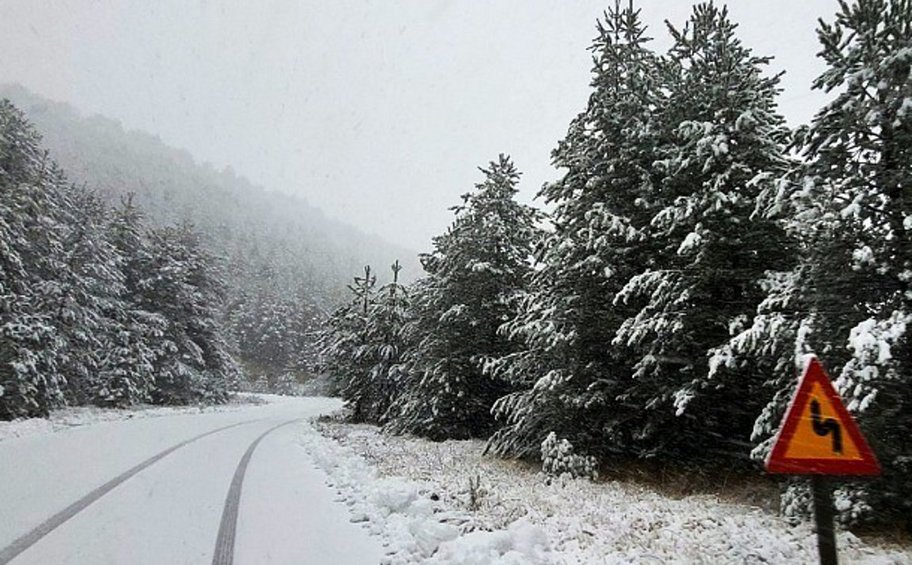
796	503
559	459
261	385
475	492
287	385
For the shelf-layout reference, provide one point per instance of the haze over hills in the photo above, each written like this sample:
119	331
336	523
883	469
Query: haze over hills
303	244
286	264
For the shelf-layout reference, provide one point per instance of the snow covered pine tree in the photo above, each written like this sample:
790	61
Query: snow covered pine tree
386	346
343	347
31	245
570	381
269	320
850	301
192	362
474	274
127	377
91	310
711	249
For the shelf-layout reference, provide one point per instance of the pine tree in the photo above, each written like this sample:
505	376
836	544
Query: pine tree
343	347
135	336
710	246
269	319
92	308
31	248
261	384
852	297
571	380
286	385
474	274
303	348
363	346
385	348
192	362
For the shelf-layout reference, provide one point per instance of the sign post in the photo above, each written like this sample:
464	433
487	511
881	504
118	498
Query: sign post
819	437
823	516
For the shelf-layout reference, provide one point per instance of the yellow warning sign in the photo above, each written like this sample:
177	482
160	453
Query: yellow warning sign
818	435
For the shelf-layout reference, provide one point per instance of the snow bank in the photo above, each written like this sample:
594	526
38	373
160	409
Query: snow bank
445	503
84	415
416	525
520	543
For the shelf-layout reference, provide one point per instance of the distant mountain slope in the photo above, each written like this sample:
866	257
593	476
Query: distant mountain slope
286	264
297	239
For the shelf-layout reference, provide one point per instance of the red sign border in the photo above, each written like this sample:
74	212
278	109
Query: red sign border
777	462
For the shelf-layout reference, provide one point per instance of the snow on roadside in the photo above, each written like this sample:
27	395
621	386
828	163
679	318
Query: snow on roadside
445	503
415	524
82	415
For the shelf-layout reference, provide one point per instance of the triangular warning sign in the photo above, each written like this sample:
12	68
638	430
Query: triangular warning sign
818	435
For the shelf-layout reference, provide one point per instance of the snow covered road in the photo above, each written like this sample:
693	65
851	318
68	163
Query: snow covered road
133	492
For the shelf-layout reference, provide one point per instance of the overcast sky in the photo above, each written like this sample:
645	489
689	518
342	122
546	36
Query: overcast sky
376	111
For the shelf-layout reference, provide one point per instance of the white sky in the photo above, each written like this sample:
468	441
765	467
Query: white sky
376	111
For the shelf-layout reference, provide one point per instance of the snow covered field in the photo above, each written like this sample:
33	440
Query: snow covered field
422	497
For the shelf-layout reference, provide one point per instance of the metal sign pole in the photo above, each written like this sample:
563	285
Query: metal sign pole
823	516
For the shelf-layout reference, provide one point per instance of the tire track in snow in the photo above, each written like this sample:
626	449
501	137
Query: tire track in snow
31	538
224	542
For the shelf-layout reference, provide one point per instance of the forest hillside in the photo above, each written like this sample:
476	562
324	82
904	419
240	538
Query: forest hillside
283	258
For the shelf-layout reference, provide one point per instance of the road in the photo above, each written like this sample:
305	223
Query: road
213	487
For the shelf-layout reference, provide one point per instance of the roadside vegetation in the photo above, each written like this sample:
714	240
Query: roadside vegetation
696	248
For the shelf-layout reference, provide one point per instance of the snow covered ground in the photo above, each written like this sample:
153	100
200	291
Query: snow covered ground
323	492
445	503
